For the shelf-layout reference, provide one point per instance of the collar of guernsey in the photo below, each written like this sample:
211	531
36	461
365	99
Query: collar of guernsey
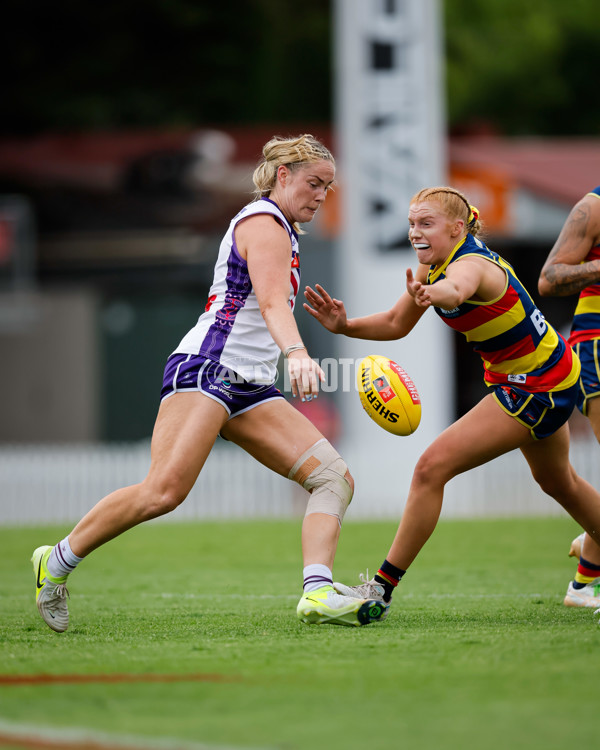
436	271
510	334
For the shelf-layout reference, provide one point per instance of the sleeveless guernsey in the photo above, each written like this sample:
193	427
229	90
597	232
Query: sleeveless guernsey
516	344
232	330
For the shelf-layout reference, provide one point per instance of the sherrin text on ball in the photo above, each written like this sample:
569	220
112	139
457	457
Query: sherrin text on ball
388	395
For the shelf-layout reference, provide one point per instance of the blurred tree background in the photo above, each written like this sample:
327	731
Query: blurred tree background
525	67
517	68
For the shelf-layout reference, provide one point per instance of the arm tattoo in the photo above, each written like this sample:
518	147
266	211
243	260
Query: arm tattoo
571	278
566	279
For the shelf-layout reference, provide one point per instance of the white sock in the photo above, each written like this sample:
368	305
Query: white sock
62	560
315	576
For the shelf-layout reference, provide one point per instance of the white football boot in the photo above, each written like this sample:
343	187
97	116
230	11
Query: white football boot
324	605
588	596
367	589
50	593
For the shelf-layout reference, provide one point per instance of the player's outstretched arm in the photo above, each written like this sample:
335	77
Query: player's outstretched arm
330	312
382	326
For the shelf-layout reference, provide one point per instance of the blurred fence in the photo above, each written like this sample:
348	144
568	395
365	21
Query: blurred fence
56	484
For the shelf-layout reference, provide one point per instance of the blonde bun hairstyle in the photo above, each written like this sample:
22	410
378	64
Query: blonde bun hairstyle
454	204
294	152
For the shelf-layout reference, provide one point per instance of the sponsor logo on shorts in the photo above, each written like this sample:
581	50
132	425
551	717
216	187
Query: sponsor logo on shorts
219	390
517	378
506	394
226	377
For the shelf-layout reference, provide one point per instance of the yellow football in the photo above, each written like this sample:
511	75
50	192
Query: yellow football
388	395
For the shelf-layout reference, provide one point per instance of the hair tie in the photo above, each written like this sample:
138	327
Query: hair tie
473	215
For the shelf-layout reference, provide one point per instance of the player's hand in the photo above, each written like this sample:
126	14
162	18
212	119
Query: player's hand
418	291
304	374
330	312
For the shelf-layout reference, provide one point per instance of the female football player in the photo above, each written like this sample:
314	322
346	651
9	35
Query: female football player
573	267
220	379
532	374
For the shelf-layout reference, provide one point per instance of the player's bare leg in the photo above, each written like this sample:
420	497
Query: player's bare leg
584	590
481	435
549	462
277	435
186	428
592	550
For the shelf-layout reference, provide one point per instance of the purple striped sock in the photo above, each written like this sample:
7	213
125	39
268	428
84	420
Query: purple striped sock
316	576
62	560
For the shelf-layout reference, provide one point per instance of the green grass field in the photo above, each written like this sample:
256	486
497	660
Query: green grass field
478	651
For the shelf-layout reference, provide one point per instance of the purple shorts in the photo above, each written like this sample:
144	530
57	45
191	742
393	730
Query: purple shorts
186	373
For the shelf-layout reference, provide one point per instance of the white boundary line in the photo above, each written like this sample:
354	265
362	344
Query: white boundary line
65	738
247	597
400	596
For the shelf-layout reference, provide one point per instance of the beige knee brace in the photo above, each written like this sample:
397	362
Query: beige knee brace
322	471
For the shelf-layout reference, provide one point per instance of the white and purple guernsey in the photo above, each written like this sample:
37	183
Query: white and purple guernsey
232	330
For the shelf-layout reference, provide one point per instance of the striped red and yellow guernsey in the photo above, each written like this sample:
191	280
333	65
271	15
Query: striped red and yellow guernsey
516	344
586	320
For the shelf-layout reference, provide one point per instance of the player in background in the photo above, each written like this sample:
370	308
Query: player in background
532	373
220	380
573	267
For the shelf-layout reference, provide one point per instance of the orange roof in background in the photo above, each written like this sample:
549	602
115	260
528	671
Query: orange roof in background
86	159
488	168
561	170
